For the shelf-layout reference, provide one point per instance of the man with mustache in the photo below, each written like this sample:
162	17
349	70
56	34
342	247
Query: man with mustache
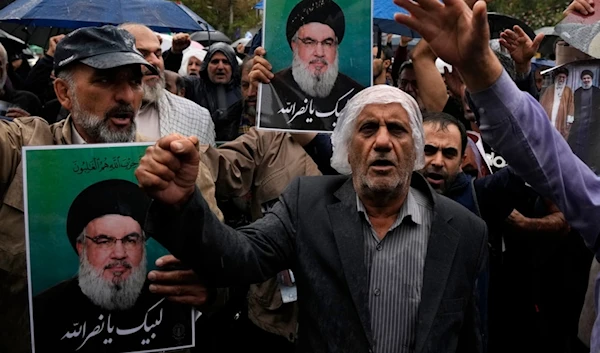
162	112
104	226
583	136
99	80
192	62
315	29
241	116
381	263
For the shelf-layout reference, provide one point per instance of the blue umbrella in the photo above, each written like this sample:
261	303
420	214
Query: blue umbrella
259	6
383	17
159	15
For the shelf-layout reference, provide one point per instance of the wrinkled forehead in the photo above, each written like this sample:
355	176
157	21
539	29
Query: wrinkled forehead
386	112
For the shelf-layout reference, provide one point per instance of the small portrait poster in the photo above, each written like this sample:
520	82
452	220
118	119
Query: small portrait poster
572	103
88	256
321	56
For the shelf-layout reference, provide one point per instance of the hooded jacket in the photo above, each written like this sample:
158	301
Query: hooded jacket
204	92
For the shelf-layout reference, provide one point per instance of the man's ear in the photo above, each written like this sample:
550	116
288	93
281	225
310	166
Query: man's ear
63	93
79	247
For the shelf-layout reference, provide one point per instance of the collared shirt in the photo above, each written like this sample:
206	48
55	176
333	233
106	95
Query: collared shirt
516	125
178	115
148	122
395	272
77	139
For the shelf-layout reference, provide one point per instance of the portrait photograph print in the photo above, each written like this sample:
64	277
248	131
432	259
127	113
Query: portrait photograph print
88	256
572	103
320	52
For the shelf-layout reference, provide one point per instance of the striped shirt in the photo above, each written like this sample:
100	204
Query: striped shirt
395	273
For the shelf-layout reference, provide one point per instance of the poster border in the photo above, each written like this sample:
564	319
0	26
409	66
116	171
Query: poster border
25	149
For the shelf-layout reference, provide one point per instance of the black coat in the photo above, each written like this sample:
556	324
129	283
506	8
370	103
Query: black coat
315	230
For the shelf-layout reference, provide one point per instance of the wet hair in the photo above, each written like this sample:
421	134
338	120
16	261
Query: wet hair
379	94
443	120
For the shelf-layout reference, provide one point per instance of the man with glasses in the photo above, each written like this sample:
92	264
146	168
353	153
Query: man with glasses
307	95
107	305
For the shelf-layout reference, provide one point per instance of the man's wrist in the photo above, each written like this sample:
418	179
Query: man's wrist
482	72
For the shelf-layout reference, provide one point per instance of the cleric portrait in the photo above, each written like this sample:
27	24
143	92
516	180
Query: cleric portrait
310	94
107	306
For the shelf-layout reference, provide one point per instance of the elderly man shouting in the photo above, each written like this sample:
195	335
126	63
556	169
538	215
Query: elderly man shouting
382	263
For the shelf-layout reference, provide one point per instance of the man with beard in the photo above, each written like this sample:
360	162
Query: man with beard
108	306
311	93
162	112
558	103
381	263
99	81
583	136
241	116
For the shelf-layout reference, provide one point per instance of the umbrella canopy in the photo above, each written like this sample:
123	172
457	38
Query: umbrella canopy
259	5
499	22
383	17
206	38
159	15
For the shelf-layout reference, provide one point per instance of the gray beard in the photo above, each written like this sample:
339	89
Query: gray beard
97	127
152	94
111	295
314	85
586	86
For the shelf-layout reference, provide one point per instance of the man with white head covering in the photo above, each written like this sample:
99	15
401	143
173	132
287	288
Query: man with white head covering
381	262
192	62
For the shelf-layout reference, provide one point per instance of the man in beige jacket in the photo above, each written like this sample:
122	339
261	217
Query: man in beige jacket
99	81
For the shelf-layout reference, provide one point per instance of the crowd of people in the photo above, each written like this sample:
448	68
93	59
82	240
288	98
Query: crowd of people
394	233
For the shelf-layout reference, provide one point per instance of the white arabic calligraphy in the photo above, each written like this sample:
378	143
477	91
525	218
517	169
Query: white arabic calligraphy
308	107
80	329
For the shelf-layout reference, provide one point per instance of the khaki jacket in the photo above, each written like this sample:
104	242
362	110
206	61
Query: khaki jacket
262	163
31	131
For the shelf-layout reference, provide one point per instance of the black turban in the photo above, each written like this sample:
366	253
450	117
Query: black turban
326	12
106	197
587	72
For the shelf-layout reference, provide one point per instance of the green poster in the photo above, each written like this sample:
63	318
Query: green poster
87	255
321	53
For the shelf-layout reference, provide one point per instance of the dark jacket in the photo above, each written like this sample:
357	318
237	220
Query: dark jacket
316	230
64	309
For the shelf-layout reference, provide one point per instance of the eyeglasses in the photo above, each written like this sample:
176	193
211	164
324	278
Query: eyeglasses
311	43
104	242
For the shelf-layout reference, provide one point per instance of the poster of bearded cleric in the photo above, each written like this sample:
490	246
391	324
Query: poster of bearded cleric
572	103
88	257
320	51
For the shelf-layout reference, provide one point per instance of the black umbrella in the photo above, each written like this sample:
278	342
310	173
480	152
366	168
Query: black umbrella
206	38
499	22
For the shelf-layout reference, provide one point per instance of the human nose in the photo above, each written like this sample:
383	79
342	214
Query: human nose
438	160
125	92
118	250
382	141
153	59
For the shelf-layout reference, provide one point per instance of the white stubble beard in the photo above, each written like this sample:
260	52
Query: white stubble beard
152	93
97	127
